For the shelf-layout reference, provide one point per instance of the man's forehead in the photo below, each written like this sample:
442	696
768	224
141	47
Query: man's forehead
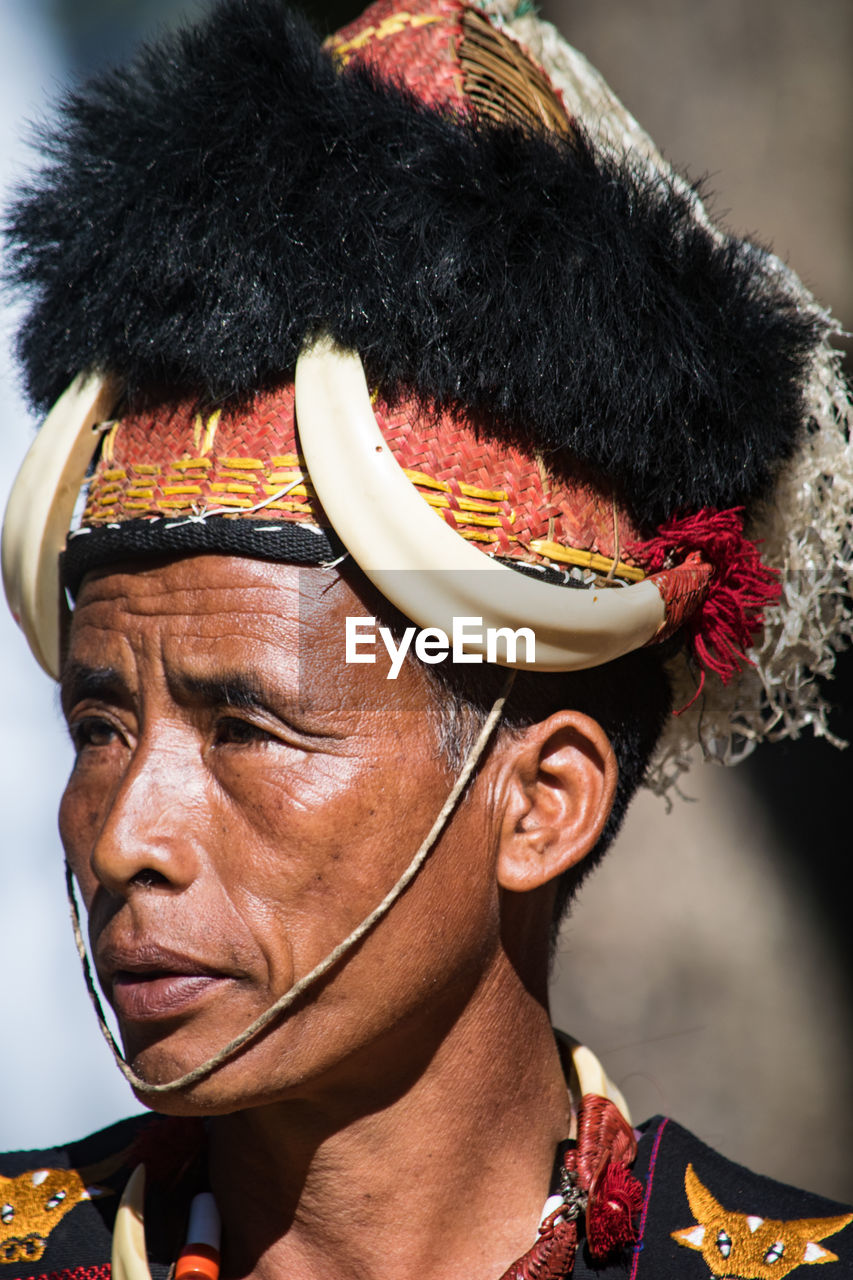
209	585
207	617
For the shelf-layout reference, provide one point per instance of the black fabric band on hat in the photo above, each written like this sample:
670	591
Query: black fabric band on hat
93	548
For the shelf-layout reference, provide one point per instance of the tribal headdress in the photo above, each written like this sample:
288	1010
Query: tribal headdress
427	295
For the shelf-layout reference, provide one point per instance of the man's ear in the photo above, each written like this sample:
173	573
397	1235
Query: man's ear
559	783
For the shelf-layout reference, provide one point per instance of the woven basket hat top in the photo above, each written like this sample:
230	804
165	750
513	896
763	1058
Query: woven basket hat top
450	55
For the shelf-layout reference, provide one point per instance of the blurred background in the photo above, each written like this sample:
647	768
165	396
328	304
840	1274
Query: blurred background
710	961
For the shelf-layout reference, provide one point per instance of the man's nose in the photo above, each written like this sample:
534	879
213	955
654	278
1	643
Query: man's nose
151	836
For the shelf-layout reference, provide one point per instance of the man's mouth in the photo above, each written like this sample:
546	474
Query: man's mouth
151	983
141	997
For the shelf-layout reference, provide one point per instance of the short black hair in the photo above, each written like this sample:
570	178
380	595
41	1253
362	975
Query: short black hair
630	698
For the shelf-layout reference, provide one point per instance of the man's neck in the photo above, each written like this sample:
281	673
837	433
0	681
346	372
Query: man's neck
445	1180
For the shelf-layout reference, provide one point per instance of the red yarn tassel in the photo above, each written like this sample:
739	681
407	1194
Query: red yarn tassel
614	1199
606	1148
740	589
596	1178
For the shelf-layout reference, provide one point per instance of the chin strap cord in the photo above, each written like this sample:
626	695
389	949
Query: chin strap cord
299	988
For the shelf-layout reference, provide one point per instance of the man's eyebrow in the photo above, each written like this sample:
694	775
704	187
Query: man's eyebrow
243	691
229	689
80	681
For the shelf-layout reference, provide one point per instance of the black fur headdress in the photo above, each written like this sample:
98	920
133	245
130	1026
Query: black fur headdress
235	192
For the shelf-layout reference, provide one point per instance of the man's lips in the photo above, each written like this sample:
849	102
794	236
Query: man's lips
149	983
146	997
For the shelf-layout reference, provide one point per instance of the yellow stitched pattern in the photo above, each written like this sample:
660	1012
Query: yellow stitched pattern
211	483
192	464
176	503
204	433
585	559
246	464
108	442
471	491
464	504
32	1204
745	1246
289	506
390	26
298	490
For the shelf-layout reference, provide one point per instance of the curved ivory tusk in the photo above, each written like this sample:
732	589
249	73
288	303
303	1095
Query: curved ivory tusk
129	1257
40	507
418	562
589	1073
592	1078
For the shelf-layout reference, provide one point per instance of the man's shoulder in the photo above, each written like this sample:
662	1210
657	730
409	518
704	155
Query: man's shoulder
58	1205
704	1216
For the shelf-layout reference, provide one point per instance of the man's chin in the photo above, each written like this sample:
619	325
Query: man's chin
220	1093
256	1075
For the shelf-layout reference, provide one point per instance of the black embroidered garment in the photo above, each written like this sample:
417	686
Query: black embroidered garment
702	1216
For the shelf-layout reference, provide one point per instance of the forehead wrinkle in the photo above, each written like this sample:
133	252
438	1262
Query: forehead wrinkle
168	600
226	612
225	574
271	605
229	613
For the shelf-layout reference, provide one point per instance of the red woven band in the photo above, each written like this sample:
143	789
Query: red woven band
248	464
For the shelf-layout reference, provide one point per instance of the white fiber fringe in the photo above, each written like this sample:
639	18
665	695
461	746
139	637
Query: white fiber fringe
807	533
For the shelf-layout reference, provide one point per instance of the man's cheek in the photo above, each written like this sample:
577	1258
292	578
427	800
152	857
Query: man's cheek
81	817
77	819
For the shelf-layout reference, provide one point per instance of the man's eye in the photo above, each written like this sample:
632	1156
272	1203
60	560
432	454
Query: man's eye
231	731
92	731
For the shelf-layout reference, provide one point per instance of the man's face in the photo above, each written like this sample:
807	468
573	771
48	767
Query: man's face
241	799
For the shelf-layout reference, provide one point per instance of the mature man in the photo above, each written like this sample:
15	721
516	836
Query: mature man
386	367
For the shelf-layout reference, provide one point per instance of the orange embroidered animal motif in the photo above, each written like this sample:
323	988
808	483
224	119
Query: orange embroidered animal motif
744	1246
32	1204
